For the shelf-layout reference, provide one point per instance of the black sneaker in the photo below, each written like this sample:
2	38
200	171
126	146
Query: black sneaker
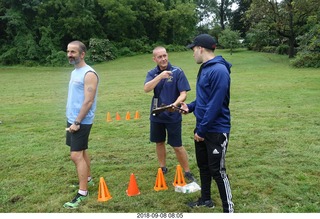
200	203
189	176
164	170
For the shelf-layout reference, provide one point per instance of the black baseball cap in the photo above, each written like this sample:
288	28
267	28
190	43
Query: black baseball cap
205	41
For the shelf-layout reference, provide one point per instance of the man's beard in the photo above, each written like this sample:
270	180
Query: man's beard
74	61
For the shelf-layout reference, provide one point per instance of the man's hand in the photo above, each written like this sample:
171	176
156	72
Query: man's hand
197	138
184	108
73	128
172	109
165	74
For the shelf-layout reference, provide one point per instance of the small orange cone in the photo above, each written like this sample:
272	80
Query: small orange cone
128	116
160	181
137	116
133	187
108	117
118	116
103	194
179	178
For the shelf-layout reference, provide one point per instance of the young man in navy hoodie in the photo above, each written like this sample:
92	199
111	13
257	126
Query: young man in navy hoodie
211	109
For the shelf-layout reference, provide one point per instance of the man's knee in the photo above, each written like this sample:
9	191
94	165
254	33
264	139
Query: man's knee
179	149
75	156
218	174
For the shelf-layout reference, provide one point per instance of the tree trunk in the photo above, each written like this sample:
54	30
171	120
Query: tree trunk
291	47
291	31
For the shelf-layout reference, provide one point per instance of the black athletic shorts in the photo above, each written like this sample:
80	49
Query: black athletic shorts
78	141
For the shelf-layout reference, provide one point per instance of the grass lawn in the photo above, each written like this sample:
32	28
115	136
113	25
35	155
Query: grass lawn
272	159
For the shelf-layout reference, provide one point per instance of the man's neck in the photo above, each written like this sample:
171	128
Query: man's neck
208	57
80	64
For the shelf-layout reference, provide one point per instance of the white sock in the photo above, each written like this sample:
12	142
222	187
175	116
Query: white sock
82	192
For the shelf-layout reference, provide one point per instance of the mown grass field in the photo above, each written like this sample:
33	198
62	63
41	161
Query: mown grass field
272	159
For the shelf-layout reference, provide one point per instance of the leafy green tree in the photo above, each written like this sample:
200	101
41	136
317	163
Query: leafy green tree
177	25
35	30
70	20
2	23
287	17
230	39
237	21
260	36
159	21
19	45
119	19
309	50
218	11
149	14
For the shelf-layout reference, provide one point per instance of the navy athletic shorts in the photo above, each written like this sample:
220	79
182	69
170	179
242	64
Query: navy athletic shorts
158	133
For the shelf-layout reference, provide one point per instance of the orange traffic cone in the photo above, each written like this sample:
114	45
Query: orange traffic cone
137	116
133	187
160	181
179	178
108	117
103	194
118	116
128	116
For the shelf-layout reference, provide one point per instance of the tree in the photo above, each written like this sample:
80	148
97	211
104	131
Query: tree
19	45
148	18
237	21
119	19
262	35
177	25
309	50
38	31
287	17
216	11
230	39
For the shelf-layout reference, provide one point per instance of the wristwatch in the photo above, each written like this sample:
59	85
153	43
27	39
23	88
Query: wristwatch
76	123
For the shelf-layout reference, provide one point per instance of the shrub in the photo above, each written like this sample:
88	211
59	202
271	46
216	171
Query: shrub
282	49
135	46
9	57
176	48
101	50
30	63
309	48
125	51
57	59
269	49
306	60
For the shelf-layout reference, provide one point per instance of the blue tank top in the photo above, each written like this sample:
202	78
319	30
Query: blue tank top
76	96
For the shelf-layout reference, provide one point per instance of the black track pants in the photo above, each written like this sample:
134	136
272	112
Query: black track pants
210	155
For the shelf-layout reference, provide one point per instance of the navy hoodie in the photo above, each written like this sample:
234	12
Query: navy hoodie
211	106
